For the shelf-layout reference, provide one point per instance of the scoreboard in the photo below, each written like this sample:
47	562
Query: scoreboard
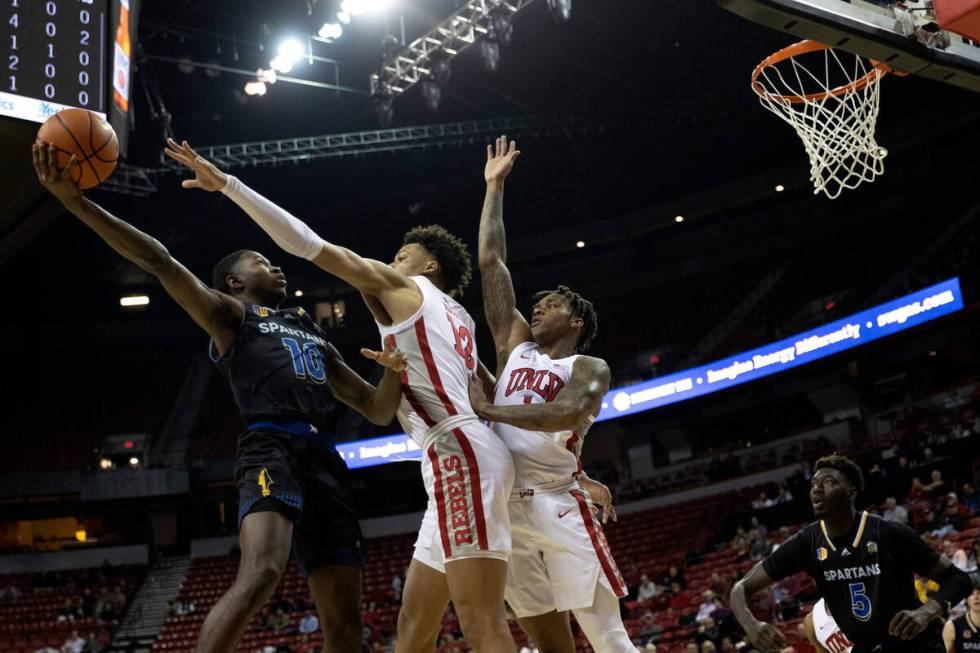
54	57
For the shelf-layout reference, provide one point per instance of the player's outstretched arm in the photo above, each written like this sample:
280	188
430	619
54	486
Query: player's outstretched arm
290	233
378	404
763	636
507	325
571	408
218	314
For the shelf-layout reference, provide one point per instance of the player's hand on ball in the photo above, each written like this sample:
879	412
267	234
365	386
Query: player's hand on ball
766	637
500	162
391	358
601	497
206	174
57	181
907	624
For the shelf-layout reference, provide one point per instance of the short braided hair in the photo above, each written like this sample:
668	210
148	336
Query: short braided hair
581	307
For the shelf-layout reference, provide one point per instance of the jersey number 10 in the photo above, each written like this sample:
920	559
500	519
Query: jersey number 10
307	360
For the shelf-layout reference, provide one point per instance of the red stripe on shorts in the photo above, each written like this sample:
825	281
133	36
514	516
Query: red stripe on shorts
430	365
476	494
407	389
600	545
440	502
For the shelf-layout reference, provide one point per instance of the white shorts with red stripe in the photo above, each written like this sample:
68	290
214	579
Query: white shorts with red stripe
468	473
560	552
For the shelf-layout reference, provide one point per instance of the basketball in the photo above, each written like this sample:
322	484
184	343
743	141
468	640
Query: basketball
89	137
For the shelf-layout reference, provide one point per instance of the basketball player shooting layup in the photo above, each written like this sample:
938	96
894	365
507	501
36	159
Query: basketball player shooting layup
463	544
863	567
546	397
282	371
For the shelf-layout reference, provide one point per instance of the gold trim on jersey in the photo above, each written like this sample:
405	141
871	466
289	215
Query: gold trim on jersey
857	538
864	522
969	622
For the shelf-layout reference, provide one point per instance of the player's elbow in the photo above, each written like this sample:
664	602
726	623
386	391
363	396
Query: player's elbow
159	262
487	260
380	416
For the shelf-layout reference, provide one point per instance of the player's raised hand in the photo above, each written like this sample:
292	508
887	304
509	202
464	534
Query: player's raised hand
206	174
601	497
56	180
766	637
391	358
500	160
907	624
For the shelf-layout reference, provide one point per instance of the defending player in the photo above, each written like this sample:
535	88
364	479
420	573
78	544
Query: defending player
822	631
863	567
282	371
547	396
464	541
962	635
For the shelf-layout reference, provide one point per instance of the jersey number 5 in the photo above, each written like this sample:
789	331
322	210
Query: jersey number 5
860	603
464	343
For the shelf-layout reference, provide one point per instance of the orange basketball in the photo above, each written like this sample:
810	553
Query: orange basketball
89	138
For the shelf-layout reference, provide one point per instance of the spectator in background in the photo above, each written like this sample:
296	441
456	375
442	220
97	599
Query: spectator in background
727	645
74	643
283	647
783	496
396	585
955	554
647	589
762	502
952	513
691	648
10	594
902	478
895	512
92	644
759	526
708	632
707	646
309	624
306	645
970	498
973	559
675	575
268	620
281	623
678	601
719	585
917	490
650	648
650	630
760	546
706	608
935	486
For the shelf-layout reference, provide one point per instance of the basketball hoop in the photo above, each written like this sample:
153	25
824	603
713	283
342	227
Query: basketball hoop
832	104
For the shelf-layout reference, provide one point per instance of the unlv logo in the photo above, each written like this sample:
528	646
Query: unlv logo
544	383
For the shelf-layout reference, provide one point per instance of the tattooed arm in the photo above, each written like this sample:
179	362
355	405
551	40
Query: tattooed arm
507	325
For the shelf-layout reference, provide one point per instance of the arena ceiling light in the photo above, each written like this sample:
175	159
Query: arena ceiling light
780	188
255	88
331	31
134	300
580	244
469	24
289	52
678	218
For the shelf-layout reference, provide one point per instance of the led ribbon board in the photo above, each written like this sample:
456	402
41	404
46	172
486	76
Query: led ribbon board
832	338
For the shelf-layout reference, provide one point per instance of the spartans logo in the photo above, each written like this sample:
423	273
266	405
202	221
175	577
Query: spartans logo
265	482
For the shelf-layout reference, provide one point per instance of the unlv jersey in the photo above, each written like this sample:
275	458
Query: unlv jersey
827	631
532	377
441	350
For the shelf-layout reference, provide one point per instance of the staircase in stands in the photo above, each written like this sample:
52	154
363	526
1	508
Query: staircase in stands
146	615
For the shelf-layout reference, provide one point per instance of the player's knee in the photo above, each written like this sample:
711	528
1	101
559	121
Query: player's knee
258	582
479	623
615	640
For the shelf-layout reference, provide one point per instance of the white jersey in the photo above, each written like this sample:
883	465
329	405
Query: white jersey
532	377
440	345
828	634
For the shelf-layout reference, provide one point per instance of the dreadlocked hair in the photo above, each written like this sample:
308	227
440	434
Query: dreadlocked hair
219	275
845	466
452	254
581	307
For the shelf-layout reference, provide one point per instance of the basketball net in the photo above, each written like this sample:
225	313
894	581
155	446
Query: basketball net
831	100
